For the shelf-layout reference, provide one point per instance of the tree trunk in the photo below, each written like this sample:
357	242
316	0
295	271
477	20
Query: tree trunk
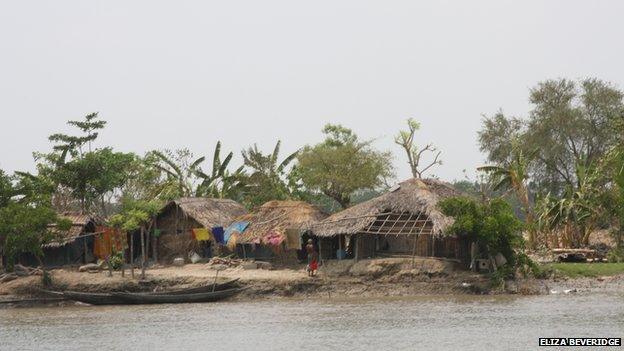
132	255
142	252
523	195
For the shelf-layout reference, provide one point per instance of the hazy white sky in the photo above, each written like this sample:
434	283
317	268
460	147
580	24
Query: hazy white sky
188	73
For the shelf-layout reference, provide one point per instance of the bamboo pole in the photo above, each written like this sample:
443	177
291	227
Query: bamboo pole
214	285
416	240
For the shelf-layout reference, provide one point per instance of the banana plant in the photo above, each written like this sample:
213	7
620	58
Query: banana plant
575	214
513	176
219	182
178	179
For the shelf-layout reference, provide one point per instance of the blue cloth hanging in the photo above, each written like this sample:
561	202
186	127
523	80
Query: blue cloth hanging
217	233
236	227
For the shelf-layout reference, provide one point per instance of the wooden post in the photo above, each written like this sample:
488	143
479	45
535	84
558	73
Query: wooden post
142	252
214	285
356	251
84	241
176	221
339	244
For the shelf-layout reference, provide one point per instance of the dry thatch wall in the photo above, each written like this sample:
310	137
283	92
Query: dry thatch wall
179	217
277	217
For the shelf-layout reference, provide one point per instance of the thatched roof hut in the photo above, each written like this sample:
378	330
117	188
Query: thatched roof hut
208	212
408	208
80	224
277	217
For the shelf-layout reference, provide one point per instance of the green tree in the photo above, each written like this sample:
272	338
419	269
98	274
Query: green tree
497	137
405	139
342	165
137	215
73	145
570	123
91	177
492	224
25	217
513	175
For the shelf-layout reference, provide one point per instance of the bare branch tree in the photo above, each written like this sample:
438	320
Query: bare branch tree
405	139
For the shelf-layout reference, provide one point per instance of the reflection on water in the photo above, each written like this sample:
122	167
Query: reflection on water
467	322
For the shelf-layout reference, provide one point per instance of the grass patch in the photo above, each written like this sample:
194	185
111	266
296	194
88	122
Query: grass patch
575	270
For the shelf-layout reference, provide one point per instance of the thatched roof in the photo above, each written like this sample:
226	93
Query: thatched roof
413	196
277	217
79	225
208	212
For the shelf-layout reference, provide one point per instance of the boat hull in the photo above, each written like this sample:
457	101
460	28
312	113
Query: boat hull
131	298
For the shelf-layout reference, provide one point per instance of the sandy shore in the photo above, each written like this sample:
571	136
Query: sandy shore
366	278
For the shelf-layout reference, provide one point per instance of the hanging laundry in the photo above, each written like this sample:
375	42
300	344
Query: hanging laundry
293	239
202	234
273	238
236	227
108	241
234	239
217	233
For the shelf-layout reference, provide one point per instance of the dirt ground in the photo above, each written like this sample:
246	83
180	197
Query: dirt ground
366	278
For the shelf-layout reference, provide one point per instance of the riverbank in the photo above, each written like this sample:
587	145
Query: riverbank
366	278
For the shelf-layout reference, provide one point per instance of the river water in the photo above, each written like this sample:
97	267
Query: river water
425	323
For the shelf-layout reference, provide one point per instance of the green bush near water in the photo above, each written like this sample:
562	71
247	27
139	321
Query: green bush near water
576	270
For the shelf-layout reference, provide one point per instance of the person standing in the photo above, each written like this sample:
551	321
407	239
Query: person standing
312	258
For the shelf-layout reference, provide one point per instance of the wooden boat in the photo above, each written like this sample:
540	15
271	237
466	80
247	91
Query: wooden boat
201	289
111	299
93	298
131	298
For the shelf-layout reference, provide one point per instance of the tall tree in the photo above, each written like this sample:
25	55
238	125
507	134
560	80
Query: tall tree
570	123
73	145
91	177
342	165
497	137
405	139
